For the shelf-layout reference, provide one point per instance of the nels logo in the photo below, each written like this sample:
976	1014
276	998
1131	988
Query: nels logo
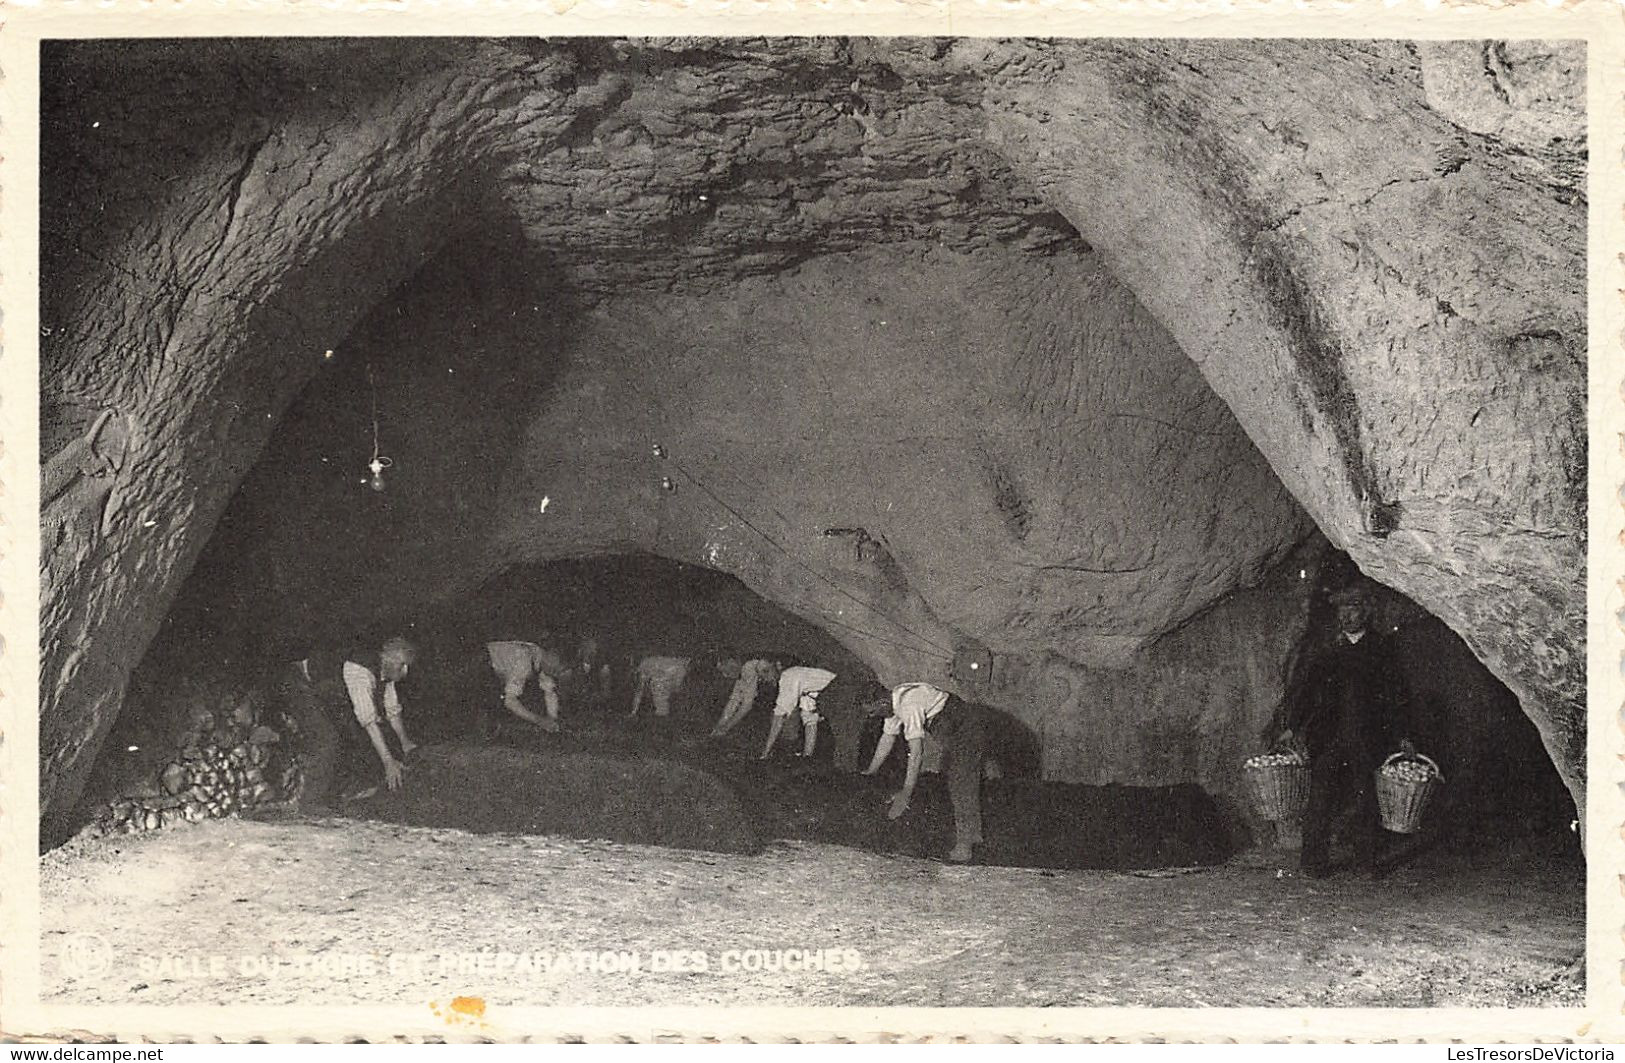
86	955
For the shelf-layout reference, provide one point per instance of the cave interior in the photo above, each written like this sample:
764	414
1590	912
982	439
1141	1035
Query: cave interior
804	348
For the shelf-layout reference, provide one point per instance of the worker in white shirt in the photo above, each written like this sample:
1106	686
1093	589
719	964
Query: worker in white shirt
798	692
752	674
917	709
330	696
517	664
659	678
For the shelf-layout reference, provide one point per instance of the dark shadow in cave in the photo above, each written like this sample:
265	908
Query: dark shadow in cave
1502	792
306	554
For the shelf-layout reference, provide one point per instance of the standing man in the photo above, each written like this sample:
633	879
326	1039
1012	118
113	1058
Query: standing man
1353	699
798	690
916	709
516	665
331	697
752	674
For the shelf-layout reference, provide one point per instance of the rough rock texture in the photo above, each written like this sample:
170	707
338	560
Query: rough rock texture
1372	266
1033	467
1198	703
1388	301
1527	95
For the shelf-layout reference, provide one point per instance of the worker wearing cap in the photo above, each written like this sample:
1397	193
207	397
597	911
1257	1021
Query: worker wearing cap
332	696
1348	703
517	665
915	710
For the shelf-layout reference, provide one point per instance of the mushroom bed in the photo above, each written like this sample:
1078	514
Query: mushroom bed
655	786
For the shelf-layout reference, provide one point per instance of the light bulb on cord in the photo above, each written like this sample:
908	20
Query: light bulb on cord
378	463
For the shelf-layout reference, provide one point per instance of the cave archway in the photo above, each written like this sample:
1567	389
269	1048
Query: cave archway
294	248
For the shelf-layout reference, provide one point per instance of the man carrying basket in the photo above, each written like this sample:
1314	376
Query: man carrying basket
1351	701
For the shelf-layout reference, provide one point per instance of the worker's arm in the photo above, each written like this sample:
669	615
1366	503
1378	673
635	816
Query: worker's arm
361	683
512	687
739	703
773	733
510	700
783	705
393	713
550	694
392	767
513	664
809	729
882	751
900	800
640	683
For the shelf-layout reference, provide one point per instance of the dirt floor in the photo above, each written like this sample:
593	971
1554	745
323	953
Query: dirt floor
337	910
448	889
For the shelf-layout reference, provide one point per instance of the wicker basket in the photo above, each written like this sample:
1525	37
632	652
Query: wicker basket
1402	800
1280	787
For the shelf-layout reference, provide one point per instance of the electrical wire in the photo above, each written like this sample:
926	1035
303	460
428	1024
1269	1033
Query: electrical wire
379	462
924	643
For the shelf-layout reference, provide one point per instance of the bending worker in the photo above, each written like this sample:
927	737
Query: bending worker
798	690
839	701
331	696
516	664
660	678
752	674
590	674
961	729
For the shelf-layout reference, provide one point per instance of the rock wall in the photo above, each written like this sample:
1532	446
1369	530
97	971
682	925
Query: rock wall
1378	270
1032	467
1200	701
243	213
1384	283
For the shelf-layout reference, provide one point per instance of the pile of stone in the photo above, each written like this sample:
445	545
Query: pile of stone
227	757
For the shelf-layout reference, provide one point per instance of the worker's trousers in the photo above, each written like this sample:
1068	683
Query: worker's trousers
329	735
1341	791
961	728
